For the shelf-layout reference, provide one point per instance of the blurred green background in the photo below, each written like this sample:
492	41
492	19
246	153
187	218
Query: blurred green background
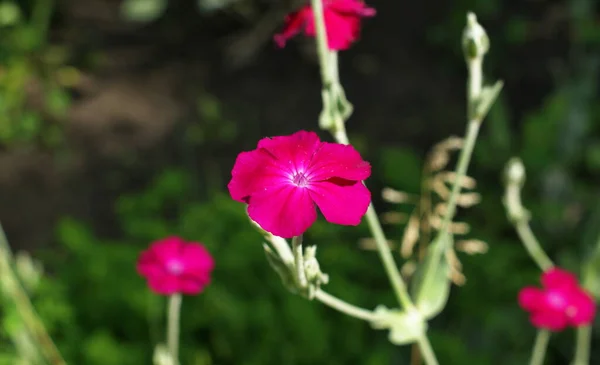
120	122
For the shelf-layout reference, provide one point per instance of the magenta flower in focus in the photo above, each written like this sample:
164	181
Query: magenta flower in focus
283	179
561	302
172	266
342	23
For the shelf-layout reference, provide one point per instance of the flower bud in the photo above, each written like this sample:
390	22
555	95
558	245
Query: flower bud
515	172
475	40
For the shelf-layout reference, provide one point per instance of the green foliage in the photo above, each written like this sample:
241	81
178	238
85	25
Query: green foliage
31	69
100	311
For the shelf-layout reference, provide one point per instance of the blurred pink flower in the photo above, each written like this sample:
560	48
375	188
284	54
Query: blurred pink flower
342	22
283	179
561	302
172	265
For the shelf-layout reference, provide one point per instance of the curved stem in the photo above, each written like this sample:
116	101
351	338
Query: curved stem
520	218
387	259
344	307
427	351
582	346
539	348
25	308
533	246
173	314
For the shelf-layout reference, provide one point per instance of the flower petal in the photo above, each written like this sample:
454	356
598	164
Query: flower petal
252	171
342	22
338	160
354	7
554	321
341	204
294	152
191	285
167	249
582	309
285	211
196	259
164	284
293	25
531	298
559	278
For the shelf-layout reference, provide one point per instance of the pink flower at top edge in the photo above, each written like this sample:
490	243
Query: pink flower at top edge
561	302
284	177
172	266
342	23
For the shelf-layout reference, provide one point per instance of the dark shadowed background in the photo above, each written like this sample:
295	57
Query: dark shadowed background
119	126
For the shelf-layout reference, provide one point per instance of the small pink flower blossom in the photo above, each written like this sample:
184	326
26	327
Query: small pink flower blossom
283	179
342	23
172	265
561	302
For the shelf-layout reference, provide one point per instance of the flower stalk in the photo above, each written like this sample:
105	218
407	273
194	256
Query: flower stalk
344	307
339	113
30	318
539	348
173	323
519	216
298	252
582	345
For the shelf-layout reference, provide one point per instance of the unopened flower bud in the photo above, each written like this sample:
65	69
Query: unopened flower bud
475	40
515	172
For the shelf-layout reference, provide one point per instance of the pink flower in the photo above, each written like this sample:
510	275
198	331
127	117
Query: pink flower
342	22
560	303
283	179
172	265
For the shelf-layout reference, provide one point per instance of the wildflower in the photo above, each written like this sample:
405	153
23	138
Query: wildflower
342	23
172	265
561	302
283	179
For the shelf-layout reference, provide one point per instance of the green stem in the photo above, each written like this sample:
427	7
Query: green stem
474	87
27	312
533	246
344	307
427	351
582	346
461	170
520	218
330	82
322	45
299	261
173	321
539	348
387	259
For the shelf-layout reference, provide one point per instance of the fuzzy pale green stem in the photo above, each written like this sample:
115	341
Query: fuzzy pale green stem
474	87
582	346
515	176
344	307
339	133
298	252
539	348
461	171
24	307
322	45
388	260
173	322
427	351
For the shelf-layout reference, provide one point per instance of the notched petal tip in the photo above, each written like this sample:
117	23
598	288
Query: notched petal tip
280	40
